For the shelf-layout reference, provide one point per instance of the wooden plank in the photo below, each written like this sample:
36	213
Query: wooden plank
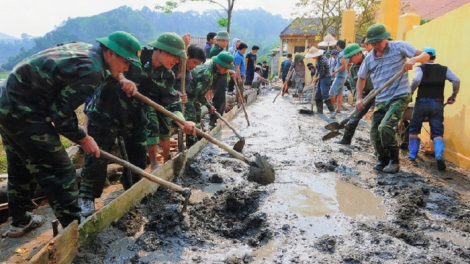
94	224
61	249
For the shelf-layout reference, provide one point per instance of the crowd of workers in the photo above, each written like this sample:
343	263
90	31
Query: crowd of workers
39	97
370	67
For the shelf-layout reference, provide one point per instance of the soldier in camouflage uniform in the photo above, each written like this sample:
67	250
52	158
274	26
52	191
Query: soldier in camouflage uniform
220	85
111	114
157	80
203	78
385	60
37	104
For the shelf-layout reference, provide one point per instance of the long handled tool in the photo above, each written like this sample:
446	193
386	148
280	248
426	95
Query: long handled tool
334	127
183	92
241	142
305	110
243	101
186	192
260	171
286	84
122	148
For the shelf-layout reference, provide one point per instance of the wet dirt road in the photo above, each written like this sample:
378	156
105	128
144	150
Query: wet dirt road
327	204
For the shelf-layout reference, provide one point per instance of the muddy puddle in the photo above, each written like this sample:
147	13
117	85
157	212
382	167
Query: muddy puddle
327	204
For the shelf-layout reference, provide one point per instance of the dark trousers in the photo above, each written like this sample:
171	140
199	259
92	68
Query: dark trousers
219	100
250	74
35	154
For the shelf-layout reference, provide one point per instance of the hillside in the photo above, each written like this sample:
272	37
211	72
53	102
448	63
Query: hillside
7	37
256	27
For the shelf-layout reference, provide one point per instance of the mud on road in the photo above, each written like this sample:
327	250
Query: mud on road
327	204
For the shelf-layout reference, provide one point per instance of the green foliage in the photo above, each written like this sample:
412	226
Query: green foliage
222	22
11	47
255	27
4	74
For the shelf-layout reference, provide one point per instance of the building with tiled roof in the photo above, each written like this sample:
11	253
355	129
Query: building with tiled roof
430	9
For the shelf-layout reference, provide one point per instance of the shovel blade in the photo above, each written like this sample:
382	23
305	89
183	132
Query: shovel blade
334	126
238	147
261	171
330	135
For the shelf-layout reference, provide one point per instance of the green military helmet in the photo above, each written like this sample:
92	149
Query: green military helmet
124	44
298	57
222	35
171	43
224	59
376	33
352	49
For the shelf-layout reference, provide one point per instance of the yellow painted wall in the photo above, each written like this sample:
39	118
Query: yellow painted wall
450	35
389	12
407	22
347	28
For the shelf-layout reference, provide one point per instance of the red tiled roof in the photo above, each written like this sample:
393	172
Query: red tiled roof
430	9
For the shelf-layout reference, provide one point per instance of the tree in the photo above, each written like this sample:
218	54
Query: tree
222	22
329	13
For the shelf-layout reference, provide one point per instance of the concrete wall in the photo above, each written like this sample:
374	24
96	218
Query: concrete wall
450	35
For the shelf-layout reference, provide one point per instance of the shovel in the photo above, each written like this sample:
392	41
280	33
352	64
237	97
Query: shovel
334	127
285	88
260	170
243	101
183	92
241	142
186	192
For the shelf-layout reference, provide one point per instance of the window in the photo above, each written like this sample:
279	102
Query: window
299	49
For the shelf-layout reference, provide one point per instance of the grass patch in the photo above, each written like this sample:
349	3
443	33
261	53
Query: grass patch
3	75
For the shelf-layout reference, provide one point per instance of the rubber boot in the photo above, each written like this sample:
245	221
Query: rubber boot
413	149
394	164
382	162
331	108
439	154
319	104
348	135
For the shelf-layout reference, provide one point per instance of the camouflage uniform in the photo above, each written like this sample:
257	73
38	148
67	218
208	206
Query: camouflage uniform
203	78
112	114
220	87
215	50
37	104
157	84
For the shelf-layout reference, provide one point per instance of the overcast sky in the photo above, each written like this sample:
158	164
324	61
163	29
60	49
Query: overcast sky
36	17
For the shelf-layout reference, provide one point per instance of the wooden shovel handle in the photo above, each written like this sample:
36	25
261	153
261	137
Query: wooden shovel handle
243	102
228	124
372	95
209	138
137	170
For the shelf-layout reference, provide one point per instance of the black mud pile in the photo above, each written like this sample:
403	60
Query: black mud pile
157	230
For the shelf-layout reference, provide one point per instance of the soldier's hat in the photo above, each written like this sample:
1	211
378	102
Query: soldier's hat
124	44
222	35
171	43
352	49
376	33
298	57
224	59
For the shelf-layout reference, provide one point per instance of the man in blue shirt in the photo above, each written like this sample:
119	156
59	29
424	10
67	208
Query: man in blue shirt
339	74
210	41
285	66
240	69
385	60
430	78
